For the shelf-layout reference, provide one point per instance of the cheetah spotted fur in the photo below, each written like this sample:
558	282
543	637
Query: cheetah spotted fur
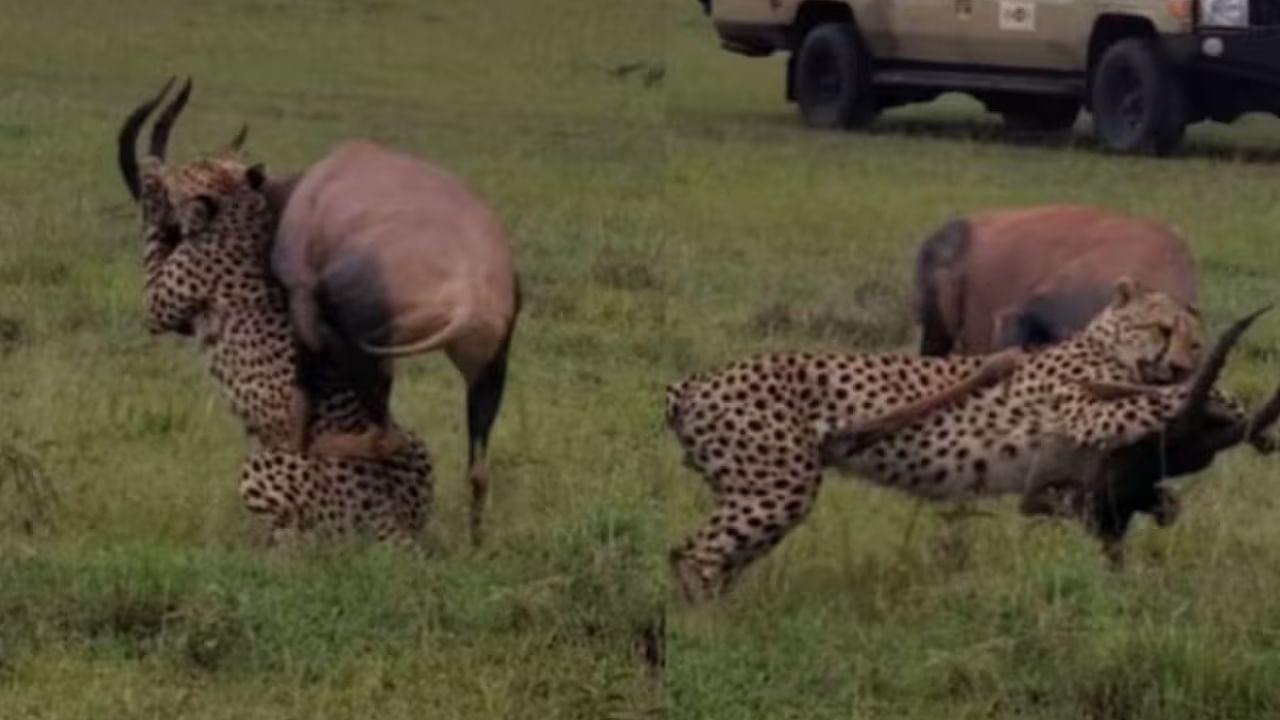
207	236
761	430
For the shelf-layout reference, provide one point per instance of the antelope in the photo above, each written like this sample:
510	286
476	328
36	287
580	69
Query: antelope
1007	279
382	256
385	256
1035	276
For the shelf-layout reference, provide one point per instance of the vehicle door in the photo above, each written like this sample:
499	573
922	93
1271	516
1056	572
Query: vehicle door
1027	34
911	30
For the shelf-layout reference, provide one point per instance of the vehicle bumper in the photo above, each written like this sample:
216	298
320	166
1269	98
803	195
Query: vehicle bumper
1252	53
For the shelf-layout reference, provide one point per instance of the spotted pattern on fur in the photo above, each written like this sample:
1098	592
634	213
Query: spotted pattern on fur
761	430
207	238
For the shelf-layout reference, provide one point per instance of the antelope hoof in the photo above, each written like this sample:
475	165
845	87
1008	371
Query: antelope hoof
478	476
1113	550
1265	444
1167	509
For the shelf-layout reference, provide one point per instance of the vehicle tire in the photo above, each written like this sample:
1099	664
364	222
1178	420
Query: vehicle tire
833	78
1139	104
1050	114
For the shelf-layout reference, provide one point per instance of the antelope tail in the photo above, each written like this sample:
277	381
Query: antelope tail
427	344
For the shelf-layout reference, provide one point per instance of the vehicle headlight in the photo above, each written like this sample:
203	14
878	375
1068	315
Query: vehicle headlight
1224	13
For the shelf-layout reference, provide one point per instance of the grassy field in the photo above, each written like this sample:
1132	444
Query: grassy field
669	214
782	238
145	591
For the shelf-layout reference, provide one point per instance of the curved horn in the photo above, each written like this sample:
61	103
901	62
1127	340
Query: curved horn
160	131
237	142
1253	430
128	139
1193	407
1265	417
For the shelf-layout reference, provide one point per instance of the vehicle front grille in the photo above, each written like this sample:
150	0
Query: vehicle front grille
1263	13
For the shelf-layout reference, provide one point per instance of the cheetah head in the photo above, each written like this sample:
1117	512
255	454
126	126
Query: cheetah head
160	188
226	233
233	217
1157	339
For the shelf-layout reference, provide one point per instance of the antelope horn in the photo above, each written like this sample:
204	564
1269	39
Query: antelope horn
1193	407
160	131
1213	440
1265	416
128	139
237	142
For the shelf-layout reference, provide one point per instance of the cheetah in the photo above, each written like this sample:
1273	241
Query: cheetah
761	430
1130	479
209	175
207	239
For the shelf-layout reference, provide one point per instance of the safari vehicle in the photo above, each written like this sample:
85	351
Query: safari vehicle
1144	69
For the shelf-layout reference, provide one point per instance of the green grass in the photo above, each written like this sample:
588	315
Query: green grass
669	214
146	591
785	238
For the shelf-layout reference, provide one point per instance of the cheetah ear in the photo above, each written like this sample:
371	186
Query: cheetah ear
256	175
1125	290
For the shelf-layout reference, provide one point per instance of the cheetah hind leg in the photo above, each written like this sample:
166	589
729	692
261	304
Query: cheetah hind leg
702	565
758	501
741	529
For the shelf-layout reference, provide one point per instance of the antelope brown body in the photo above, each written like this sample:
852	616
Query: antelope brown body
208	230
1032	277
385	255
1035	276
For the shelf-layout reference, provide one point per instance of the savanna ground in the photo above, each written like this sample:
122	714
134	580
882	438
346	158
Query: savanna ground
783	238
144	589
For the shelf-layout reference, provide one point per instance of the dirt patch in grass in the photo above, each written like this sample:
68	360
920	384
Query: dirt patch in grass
869	315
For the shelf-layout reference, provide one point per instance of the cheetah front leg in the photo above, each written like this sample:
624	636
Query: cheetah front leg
1126	477
1110	424
1106	428
1119	424
175	292
273	486
1065	496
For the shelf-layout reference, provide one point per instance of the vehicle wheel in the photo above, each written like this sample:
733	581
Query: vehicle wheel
833	78
1139	105
1050	114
